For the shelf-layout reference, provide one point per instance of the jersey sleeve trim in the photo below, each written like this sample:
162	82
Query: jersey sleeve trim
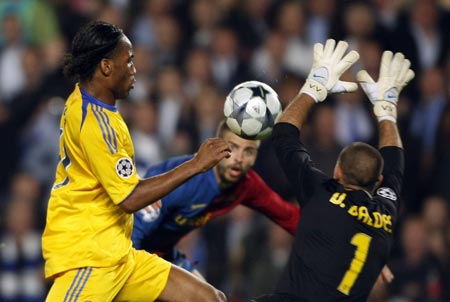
113	138
107	131
84	105
126	197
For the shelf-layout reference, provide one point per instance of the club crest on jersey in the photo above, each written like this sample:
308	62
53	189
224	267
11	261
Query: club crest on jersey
387	193
124	167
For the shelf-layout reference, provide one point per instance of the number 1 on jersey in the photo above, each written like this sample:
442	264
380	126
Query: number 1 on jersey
362	243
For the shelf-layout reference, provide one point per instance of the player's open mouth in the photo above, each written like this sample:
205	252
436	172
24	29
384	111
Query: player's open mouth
235	171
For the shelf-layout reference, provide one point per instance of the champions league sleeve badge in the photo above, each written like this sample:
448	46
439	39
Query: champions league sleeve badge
124	167
387	193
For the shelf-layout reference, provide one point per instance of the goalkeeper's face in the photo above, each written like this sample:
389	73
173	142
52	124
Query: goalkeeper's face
243	157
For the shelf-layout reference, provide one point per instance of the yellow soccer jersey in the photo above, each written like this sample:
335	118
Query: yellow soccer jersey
85	226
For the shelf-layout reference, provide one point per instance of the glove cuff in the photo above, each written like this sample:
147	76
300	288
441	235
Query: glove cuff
315	90
385	110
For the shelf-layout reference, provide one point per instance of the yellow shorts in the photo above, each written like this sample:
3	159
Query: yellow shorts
141	278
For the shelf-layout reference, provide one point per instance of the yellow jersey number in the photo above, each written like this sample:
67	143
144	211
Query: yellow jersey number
362	243
65	161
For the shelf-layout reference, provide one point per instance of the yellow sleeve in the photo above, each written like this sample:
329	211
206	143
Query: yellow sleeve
109	153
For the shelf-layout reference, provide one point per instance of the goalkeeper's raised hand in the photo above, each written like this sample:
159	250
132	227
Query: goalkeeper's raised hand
328	66
394	75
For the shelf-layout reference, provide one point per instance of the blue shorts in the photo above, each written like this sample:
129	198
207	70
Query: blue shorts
180	259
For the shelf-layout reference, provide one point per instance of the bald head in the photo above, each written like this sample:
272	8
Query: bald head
361	165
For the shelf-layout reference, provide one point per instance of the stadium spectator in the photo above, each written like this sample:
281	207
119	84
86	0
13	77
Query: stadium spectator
168	50
144	26
228	68
321	138
208	110
12	75
267	60
423	38
359	23
290	22
441	169
423	130
204	19
436	213
40	141
198	73
143	132
20	254
321	15
388	13
249	20
16	115
174	111
353	122
417	270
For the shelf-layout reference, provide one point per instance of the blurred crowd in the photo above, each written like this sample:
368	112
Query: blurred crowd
188	55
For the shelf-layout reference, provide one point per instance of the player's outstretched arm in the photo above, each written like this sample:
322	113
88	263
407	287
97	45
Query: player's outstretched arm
154	188
395	73
328	66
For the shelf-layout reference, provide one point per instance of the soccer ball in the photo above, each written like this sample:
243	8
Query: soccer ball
251	110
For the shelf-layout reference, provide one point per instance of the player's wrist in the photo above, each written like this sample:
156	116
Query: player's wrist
385	110
315	90
194	165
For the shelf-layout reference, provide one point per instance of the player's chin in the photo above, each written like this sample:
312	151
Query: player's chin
126	92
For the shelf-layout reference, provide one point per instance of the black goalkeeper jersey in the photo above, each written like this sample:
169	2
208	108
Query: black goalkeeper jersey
344	237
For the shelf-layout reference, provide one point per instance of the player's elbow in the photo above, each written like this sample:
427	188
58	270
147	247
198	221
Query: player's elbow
129	205
134	203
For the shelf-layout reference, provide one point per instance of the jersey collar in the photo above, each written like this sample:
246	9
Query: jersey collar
86	96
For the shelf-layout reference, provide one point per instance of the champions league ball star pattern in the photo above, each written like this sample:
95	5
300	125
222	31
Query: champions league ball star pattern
124	167
251	110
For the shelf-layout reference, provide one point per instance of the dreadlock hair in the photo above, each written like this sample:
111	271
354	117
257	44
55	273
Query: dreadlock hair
361	165
92	43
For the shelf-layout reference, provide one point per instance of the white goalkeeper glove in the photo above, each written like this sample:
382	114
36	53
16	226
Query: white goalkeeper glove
394	75
328	66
